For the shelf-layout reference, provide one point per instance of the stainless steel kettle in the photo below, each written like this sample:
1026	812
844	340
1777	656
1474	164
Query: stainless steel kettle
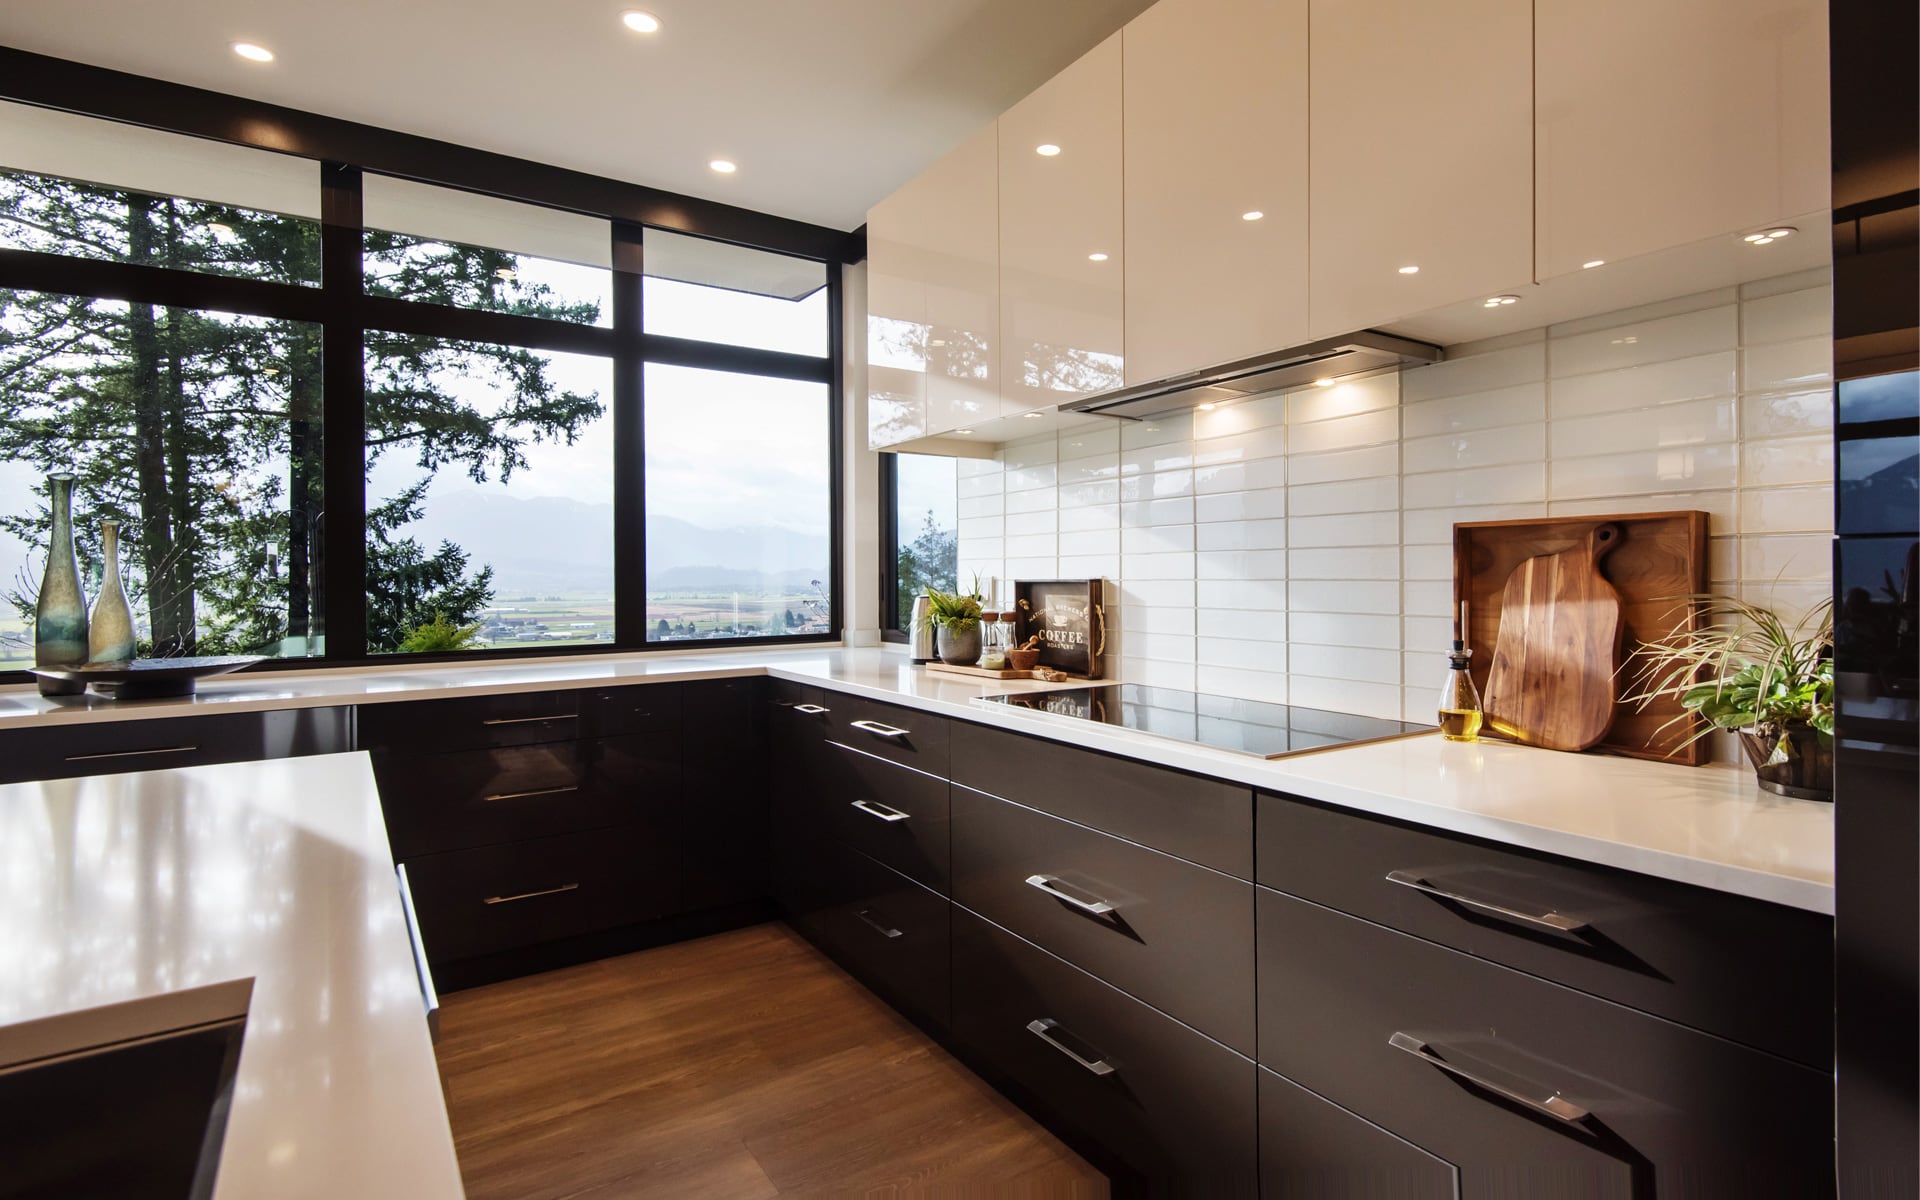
920	631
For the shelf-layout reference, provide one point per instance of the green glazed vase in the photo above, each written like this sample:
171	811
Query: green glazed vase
110	629
60	615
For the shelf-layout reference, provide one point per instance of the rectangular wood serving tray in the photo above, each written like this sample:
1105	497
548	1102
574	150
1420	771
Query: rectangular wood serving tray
1073	627
941	668
1662	556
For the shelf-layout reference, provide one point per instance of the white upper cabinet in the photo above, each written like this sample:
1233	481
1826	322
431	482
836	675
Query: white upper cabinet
1061	255
1661	124
1215	131
1422	156
933	255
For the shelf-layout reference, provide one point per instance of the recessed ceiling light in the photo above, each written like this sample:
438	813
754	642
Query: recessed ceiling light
1096	256
253	52
1500	301
963	431
724	166
1588	266
1766	237
640	22
1409	270
1208	407
1324	382
1254	215
1046	149
1034	416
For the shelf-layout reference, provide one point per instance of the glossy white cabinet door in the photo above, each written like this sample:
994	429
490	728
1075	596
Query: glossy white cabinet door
1215	127
1422	156
1061	311
1663	123
896	327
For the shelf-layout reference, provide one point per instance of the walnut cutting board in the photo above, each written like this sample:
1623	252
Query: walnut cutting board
1551	683
1661	555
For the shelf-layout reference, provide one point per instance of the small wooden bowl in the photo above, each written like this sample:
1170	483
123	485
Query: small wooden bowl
1023	660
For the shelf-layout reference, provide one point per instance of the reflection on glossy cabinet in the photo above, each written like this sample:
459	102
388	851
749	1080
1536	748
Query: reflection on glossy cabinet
1061	260
1215	127
934	303
1660	124
1422	149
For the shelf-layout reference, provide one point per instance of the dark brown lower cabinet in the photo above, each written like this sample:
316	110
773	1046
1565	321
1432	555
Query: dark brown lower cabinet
1529	1088
889	932
1169	1105
723	793
1312	1149
494	898
112	747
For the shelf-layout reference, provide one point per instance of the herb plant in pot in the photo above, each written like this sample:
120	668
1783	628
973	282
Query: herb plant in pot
956	624
1744	668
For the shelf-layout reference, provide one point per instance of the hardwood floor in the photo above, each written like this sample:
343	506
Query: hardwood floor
745	1066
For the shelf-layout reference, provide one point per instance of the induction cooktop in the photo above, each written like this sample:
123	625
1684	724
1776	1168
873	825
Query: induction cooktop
1222	722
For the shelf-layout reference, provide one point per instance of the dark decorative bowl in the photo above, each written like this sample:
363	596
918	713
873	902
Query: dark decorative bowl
147	678
1791	761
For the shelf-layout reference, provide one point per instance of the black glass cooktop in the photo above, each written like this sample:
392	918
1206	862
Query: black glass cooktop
1247	726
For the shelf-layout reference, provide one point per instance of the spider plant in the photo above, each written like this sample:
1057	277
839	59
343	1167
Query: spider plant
1744	667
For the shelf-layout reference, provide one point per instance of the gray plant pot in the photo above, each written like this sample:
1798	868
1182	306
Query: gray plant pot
957	649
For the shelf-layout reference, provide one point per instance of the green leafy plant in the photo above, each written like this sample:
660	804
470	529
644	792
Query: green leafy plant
955	611
439	635
1743	667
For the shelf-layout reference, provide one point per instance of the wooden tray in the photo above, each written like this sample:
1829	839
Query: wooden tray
1662	556
982	673
1073	633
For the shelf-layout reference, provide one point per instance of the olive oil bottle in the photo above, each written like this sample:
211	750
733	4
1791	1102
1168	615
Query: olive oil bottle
1460	712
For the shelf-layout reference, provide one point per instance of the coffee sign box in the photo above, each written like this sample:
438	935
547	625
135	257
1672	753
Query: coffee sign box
1069	616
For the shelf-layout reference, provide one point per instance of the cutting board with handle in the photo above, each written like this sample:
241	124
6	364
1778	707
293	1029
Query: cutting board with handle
1551	683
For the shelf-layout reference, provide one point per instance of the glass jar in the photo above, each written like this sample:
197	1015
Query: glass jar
993	642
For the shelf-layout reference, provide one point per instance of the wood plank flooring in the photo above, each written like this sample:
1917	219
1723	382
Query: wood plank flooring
745	1066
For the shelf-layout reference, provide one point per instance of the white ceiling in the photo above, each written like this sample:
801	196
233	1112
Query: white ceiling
826	105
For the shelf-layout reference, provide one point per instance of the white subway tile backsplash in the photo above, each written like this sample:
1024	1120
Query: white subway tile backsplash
1241	535
1644	387
1299	546
1632	345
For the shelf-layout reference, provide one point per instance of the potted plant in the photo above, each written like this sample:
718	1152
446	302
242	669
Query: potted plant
1744	668
956	624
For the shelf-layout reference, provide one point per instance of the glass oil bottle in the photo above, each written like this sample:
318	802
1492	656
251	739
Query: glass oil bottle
1460	712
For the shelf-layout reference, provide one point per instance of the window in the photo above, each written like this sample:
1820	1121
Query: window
739	506
200	432
923	536
490	481
526	451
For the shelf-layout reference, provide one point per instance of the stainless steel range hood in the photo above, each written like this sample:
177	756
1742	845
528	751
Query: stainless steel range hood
1298	366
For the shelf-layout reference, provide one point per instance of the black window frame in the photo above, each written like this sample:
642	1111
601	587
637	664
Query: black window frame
893	622
346	152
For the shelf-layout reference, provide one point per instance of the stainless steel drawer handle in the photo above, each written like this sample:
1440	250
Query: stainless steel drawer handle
872	920
428	995
131	753
1556	922
879	730
880	810
1054	887
552	891
1539	1099
1043	1029
530	720
552	791
812	710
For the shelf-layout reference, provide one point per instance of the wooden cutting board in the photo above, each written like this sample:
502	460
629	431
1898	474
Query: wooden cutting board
1552	679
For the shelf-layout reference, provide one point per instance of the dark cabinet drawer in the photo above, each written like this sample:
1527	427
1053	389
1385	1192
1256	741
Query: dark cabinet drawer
114	747
893	814
723	806
1202	820
1312	1149
1755	972
642	708
471	723
906	735
493	898
1175	1107
1493	1070
438	802
889	932
1176	935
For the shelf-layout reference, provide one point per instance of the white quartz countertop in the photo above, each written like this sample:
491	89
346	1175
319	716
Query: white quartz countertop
1710	826
144	902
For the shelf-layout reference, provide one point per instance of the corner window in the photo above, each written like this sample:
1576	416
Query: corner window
923	541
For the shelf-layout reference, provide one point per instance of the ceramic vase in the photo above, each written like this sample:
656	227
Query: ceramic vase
110	629
958	649
60	615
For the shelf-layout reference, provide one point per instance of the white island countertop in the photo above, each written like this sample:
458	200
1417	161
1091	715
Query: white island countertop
1710	826
146	902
